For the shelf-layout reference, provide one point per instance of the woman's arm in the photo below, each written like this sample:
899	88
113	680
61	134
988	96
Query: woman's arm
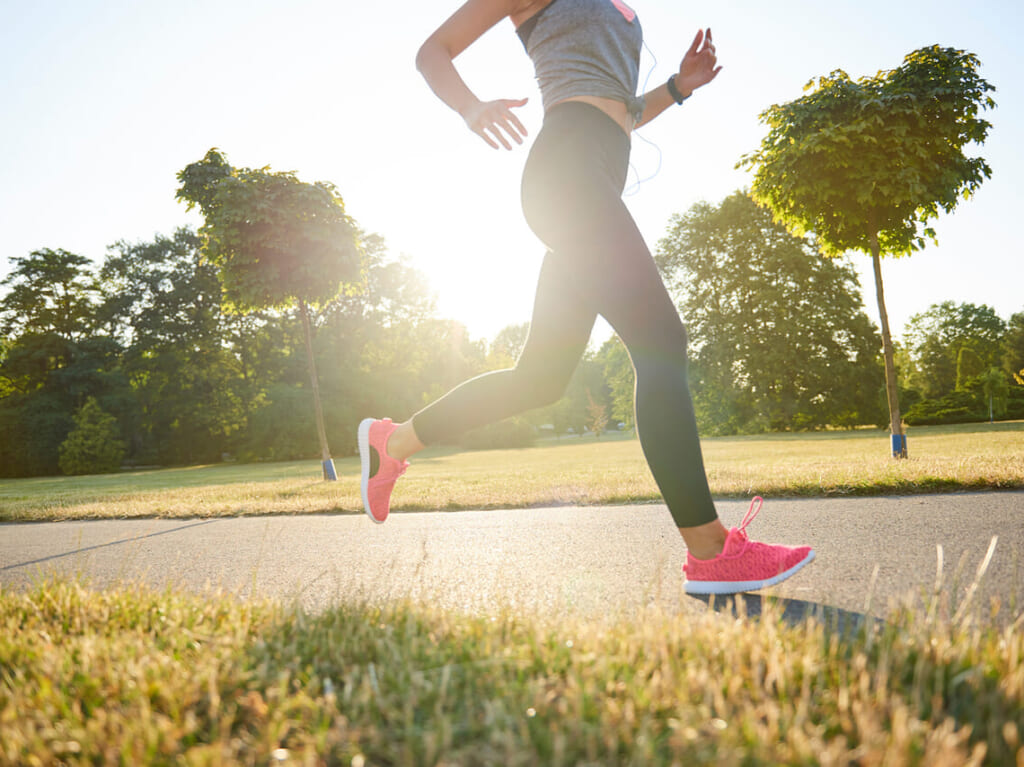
491	120
697	68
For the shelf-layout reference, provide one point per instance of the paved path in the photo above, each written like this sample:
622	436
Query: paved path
587	561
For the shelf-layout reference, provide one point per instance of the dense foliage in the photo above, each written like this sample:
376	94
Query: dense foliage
94	445
779	340
965	364
145	334
779	337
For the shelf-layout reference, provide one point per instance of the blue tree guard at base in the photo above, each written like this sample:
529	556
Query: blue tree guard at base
899	445
329	473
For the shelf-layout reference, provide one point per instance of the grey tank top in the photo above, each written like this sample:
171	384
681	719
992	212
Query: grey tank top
585	48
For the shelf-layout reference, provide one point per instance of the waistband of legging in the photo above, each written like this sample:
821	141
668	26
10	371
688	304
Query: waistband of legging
581	116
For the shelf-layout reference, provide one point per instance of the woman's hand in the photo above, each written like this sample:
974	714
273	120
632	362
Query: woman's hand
492	120
698	66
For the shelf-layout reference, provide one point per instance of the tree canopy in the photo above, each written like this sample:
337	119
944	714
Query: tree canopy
880	155
274	239
953	342
49	291
1013	348
779	338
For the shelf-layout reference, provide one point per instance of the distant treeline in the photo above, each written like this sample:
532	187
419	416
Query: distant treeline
132	361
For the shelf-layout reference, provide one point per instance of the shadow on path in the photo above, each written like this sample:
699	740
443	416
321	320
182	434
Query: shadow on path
793	611
103	545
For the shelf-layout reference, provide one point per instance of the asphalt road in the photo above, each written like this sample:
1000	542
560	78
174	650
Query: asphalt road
588	561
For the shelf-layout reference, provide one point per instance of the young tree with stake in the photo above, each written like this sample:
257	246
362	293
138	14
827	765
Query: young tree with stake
277	242
866	164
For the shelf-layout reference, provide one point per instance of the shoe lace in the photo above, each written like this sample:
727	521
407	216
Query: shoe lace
753	511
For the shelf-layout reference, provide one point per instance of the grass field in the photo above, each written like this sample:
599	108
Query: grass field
569	471
132	676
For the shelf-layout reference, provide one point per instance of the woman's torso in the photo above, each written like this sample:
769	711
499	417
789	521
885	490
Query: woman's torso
615	108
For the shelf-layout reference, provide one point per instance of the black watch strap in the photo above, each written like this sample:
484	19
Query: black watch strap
678	97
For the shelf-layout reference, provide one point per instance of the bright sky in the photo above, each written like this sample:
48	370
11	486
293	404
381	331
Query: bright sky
104	102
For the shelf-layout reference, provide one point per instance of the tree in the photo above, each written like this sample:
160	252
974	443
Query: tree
55	358
571	413
866	165
508	344
277	242
597	415
164	304
952	343
49	306
49	291
94	445
995	388
778	335
1013	348
620	379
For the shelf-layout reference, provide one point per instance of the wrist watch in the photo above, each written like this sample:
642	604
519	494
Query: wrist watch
678	97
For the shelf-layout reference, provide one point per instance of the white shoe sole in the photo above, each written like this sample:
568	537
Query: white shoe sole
738	587
364	457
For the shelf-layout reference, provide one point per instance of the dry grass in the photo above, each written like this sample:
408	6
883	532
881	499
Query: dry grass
572	471
131	676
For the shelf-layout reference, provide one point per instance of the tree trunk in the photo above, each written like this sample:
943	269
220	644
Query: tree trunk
325	453
891	391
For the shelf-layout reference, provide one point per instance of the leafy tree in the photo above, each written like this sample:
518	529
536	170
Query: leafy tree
185	363
46	379
995	388
446	355
866	164
587	388
94	445
277	242
6	387
955	407
620	379
33	428
952	343
49	291
597	415
1013	348
508	344
55	358
280	428
778	335
48	306
162	292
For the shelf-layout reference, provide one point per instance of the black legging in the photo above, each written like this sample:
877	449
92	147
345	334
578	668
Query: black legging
597	263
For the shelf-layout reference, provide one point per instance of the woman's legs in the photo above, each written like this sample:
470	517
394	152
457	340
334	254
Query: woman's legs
598	263
572	190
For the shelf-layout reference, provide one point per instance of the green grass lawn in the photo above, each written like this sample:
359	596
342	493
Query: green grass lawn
132	676
568	471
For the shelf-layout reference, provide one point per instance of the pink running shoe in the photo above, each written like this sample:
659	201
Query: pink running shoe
380	470
744	565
